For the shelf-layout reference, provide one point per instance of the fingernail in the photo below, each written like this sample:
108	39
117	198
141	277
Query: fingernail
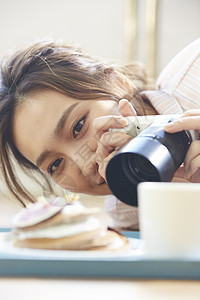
123	100
123	121
170	125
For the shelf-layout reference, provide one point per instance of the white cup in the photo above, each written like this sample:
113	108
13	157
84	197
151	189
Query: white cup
169	215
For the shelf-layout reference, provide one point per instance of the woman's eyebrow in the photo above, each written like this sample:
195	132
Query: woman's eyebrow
64	118
42	157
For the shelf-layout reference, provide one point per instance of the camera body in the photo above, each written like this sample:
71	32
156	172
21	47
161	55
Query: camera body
152	155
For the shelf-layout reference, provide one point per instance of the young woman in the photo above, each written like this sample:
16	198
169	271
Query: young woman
57	105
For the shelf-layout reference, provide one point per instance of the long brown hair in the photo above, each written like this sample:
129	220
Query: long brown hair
67	70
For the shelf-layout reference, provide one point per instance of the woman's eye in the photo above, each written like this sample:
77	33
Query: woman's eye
54	166
78	127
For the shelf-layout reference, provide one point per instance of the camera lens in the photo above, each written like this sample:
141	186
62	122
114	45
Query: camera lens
142	159
138	168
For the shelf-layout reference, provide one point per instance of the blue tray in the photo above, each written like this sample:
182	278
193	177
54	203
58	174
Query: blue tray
58	264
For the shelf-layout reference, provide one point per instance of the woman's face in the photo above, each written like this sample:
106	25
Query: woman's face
57	134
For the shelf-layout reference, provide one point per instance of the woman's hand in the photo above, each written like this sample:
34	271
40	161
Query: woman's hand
191	169
110	142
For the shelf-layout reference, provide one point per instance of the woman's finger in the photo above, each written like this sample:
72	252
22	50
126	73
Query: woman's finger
110	141
126	109
108	146
193	152
179	175
185	123
191	112
102	163
193	167
104	123
195	177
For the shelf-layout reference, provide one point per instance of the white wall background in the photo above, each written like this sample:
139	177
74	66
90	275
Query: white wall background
178	25
98	26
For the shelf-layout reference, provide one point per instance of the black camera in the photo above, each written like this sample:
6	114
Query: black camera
152	155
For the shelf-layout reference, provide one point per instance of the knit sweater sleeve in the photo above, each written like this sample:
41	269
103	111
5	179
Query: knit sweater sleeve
178	85
123	216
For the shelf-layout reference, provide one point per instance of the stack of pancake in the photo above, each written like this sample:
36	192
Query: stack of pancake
72	227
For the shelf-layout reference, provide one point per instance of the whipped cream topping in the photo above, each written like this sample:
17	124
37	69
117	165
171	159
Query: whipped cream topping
62	230
76	208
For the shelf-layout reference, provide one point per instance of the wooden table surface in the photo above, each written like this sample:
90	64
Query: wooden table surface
51	289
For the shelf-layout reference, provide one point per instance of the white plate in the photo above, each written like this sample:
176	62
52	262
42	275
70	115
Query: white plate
7	249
